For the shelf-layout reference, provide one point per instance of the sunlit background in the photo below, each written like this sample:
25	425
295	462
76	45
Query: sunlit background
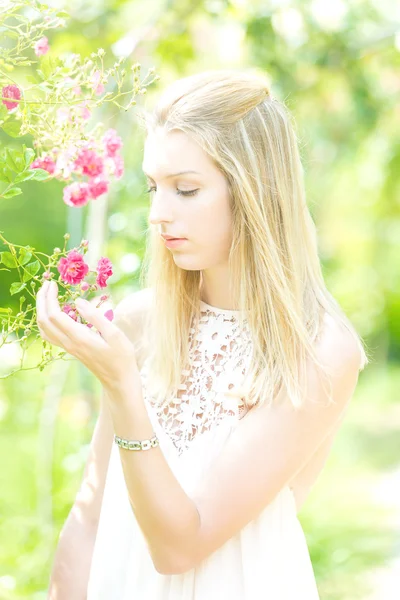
336	64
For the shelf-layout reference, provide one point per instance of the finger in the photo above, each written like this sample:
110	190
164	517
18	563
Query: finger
40	304
94	316
41	312
46	318
79	336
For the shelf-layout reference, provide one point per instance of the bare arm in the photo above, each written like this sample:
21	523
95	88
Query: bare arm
73	557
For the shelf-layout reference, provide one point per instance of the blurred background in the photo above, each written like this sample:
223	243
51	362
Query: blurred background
336	65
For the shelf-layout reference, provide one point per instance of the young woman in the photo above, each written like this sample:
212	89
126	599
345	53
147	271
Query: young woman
243	368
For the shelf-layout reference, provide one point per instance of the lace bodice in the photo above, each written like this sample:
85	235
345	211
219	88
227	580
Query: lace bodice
219	354
268	557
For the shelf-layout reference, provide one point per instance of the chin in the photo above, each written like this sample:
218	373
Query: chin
188	263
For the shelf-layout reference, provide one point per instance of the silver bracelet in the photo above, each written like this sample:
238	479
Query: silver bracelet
135	444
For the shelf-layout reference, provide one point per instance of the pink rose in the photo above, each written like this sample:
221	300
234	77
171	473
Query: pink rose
112	142
11	91
69	310
64	162
104	271
98	187
42	46
76	194
72	268
90	163
44	162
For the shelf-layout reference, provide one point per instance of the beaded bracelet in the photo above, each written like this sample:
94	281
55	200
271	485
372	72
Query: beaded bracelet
135	444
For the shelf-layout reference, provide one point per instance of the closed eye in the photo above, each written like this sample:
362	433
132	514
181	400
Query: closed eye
178	191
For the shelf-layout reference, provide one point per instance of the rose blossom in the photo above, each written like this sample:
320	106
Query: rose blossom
44	162
11	91
104	271
42	46
64	162
72	268
69	310
76	194
112	142
98	187
90	162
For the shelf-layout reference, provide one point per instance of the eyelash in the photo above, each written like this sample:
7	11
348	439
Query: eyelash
179	192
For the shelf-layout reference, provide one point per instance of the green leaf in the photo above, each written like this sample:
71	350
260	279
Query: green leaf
18	158
3	111
11	193
11	34
12	128
25	176
31	270
24	256
5	174
10	160
16	287
47	65
8	259
40	174
31	79
29	155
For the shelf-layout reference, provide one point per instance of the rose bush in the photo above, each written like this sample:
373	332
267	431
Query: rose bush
56	110
74	277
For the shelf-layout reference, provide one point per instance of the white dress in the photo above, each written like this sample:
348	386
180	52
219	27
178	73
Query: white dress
268	559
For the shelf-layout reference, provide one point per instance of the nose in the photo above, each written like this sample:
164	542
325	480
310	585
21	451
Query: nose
160	211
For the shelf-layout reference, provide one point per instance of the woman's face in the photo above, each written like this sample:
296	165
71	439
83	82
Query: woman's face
203	216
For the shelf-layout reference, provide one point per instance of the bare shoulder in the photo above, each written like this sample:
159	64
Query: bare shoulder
337	347
133	305
130	315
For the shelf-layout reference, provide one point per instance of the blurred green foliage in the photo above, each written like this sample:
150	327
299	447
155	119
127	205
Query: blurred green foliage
336	66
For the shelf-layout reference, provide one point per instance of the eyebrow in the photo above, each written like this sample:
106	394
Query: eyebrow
173	174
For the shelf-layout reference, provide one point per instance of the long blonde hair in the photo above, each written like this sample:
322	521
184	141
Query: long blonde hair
277	283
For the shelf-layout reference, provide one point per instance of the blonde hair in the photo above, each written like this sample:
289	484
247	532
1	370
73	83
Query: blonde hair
276	275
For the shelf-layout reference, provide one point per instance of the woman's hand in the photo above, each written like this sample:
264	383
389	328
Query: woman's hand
109	356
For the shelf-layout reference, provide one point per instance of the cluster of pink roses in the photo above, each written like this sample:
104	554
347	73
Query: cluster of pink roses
98	161
94	163
73	269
